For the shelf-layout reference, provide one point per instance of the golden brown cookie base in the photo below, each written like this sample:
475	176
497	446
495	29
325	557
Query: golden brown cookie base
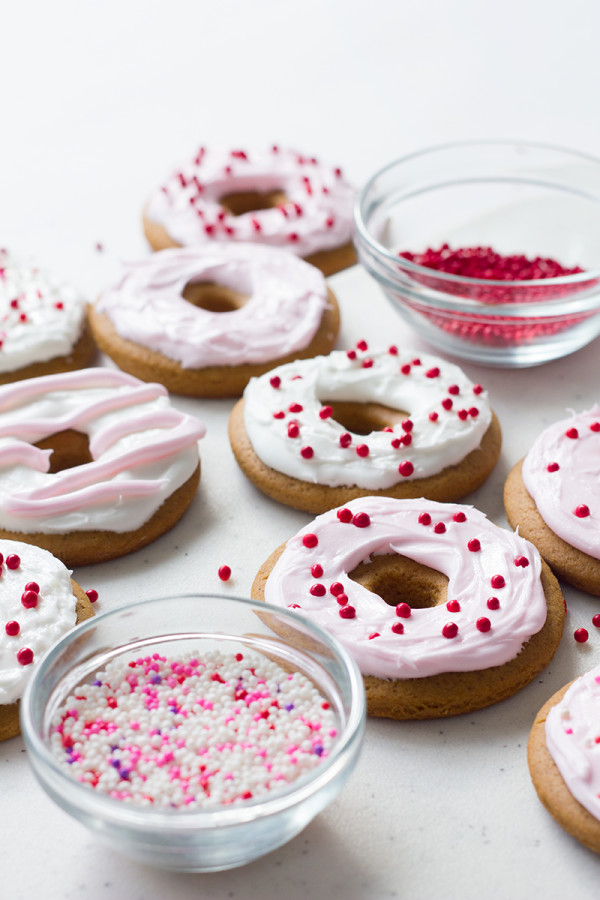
450	693
572	565
210	381
82	548
328	261
449	485
80	356
9	713
551	788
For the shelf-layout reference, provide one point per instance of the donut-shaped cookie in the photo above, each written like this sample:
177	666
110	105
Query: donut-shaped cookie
443	611
553	497
93	464
43	325
317	432
39	603
279	198
564	757
204	320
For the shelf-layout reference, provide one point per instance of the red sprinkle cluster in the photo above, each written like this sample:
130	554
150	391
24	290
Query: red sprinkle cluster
485	264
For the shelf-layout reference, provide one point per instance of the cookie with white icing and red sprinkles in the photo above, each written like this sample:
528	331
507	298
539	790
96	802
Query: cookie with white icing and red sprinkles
553	497
316	433
43	324
279	198
443	611
563	753
39	603
204	730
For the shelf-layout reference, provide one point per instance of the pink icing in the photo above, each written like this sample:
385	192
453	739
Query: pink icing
317	215
285	305
573	739
562	474
436	535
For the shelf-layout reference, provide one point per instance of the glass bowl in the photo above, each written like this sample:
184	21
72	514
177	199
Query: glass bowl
202	839
513	196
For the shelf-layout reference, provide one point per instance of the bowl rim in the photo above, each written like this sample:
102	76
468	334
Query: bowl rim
364	234
151	820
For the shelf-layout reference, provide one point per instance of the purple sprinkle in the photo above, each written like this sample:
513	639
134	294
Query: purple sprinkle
156	679
318	749
124	774
289	707
115	763
97	684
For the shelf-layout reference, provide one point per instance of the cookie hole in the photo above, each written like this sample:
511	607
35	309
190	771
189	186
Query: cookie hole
363	418
397	579
241	202
213	297
69	449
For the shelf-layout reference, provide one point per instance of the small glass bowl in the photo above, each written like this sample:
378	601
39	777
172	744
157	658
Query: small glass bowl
517	198
209	839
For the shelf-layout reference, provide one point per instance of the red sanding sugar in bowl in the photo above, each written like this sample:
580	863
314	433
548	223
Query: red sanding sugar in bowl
485	264
194	731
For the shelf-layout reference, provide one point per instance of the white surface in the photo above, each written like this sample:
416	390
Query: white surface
98	101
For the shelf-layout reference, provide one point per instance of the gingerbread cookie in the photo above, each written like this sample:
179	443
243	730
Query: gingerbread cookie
39	603
204	320
279	198
43	325
553	497
316	433
93	464
443	611
564	758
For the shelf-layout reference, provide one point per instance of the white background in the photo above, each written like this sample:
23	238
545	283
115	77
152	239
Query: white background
98	102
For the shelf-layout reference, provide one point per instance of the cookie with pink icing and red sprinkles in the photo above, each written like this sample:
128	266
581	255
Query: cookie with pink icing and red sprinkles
443	611
316	433
39	603
197	731
563	753
279	198
553	497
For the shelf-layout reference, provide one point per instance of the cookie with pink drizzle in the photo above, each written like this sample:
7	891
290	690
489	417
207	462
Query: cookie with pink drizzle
39	603
204	320
93	464
443	611
316	433
43	325
279	198
553	497
564	757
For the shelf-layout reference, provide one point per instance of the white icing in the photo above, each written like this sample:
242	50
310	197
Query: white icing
576	482
142	451
40	626
46	332
317	216
310	382
422	649
573	739
287	298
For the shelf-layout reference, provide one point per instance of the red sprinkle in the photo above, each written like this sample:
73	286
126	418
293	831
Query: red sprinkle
474	545
307	452
345	439
454	389
453	606
424	519
29	599
92	595
403	610
361	520
275	381
374	634
13	561
347	612
582	511
497	581
224	573
553	467
450	630
439	528
595	426
596	620
344	514
25	656
310	540
317	570
581	635
447	403
325	412
342	599
433	417
483	624
32	586
521	561
572	433
362	345
406	468
293	429
398	628
295	407
12	628
493	603
459	517
432	373
405	369
336	588
362	449
318	590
